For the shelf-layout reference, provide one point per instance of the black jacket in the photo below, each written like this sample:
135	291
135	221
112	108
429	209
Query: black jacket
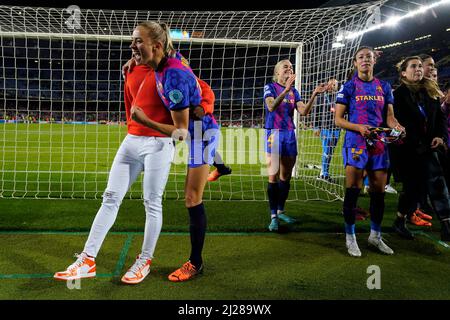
420	130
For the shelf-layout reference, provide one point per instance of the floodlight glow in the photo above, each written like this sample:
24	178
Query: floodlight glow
353	35
337	45
392	21
422	10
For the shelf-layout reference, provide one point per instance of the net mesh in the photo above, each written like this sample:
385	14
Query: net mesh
62	115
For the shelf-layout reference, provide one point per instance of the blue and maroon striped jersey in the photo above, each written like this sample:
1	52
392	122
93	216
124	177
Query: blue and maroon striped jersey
282	117
366	103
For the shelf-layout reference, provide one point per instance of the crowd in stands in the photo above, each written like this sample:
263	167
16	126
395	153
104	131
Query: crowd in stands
439	49
25	116
235	108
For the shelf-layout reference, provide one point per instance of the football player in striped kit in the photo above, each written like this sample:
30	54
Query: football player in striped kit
180	91
367	100
280	101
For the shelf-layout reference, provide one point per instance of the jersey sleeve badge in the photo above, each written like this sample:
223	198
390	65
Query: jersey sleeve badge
176	96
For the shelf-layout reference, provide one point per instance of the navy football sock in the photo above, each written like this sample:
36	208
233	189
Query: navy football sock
376	209
350	200
197	229
273	194
283	187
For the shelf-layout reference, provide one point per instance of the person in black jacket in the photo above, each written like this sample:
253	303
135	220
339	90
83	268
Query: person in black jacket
446	109
415	162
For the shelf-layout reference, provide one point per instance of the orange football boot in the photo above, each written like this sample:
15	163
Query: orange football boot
186	272
416	220
423	215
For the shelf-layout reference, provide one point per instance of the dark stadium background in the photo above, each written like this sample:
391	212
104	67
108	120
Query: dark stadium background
100	94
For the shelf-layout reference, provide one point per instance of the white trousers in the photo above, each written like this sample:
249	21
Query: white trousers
154	156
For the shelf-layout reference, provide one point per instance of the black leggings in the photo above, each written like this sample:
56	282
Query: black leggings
424	176
446	167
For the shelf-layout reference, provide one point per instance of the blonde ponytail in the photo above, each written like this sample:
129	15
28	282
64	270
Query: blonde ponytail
159	32
168	46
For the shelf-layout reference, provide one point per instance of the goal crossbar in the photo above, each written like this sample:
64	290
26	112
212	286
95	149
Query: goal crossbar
102	37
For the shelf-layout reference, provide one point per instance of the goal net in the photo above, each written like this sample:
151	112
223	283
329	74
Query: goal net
62	114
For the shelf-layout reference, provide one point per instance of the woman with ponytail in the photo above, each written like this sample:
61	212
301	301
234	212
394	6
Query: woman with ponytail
281	99
446	110
180	90
147	149
415	161
420	216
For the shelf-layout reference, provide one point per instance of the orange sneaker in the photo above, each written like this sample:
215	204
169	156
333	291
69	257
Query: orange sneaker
416	220
186	272
84	267
423	215
138	271
216	174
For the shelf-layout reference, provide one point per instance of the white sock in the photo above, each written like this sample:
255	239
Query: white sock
350	237
375	234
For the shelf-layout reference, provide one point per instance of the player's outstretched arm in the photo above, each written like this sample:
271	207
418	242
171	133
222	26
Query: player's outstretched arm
304	109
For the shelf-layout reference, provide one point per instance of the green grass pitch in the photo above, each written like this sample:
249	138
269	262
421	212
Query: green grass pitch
73	161
242	259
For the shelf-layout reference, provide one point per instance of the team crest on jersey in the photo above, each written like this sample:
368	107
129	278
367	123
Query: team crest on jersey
287	100
379	89
176	96
270	140
356	154
184	62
